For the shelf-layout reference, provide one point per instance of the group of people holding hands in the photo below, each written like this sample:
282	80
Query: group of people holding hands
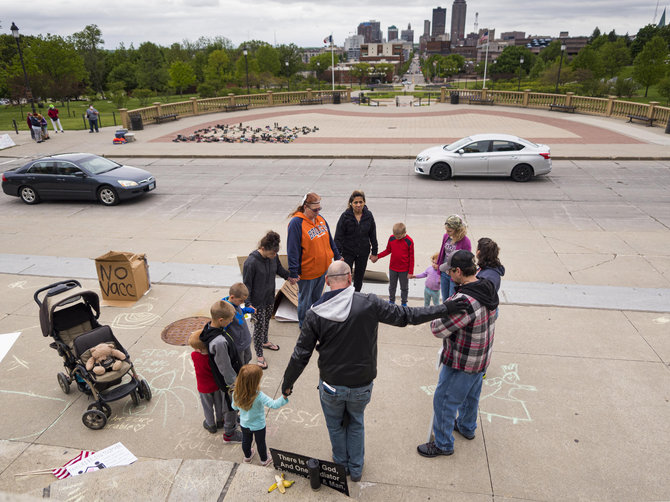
342	325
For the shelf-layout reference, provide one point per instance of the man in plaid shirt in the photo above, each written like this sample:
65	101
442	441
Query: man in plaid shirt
468	341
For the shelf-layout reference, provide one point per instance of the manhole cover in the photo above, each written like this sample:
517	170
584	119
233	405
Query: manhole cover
178	332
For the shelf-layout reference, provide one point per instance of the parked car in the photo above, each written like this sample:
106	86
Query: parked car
485	155
77	176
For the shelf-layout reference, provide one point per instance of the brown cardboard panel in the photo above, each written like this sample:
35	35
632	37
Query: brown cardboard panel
123	277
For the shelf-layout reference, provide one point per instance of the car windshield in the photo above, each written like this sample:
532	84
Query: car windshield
457	144
98	165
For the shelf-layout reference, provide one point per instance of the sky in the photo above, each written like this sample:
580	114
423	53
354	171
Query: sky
307	23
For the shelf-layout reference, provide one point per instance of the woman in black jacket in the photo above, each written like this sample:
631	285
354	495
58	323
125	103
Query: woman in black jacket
356	235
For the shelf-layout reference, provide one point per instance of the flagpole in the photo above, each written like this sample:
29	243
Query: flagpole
486	61
332	61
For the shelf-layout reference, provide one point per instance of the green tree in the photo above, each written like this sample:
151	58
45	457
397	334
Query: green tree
143	96
508	61
89	43
614	55
118	92
589	59
125	72
649	65
218	69
360	71
644	35
181	76
151	70
268	59
551	51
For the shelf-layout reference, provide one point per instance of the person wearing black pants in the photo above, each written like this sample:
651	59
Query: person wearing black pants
356	236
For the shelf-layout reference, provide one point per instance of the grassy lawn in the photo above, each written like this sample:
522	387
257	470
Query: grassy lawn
73	120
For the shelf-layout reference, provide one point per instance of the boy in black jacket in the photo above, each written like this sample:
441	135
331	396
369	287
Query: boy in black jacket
225	362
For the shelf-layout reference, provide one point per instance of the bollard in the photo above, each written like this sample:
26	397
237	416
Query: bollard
313	469
16	128
83	117
114	115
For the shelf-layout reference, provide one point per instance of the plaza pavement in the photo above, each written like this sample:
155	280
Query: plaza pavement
576	403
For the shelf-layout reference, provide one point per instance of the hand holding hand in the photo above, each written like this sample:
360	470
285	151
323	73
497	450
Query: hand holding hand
410	276
293	280
457	305
287	392
373	258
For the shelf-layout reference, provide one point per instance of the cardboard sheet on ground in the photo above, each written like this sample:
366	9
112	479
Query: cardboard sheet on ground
112	456
6	141
285	308
8	339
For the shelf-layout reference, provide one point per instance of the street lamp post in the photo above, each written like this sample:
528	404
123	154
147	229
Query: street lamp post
318	72
520	63
29	94
246	66
560	64
288	76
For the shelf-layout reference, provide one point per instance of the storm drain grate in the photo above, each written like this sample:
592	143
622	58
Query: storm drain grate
178	332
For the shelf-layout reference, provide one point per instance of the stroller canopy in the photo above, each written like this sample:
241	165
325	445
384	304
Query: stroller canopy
59	300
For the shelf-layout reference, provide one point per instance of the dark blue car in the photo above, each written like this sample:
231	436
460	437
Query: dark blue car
77	176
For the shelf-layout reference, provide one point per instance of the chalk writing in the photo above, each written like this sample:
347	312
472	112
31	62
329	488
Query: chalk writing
25	403
498	398
291	415
128	423
408	360
18	285
203	442
428	389
18	363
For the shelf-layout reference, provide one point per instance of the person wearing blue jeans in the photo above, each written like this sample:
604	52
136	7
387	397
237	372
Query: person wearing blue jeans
466	353
309	292
344	324
342	404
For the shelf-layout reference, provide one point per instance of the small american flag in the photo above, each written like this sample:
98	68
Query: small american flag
61	472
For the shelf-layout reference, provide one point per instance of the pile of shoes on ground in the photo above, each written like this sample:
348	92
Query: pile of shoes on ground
234	133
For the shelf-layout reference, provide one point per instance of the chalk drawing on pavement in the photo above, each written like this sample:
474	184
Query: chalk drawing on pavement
499	396
141	317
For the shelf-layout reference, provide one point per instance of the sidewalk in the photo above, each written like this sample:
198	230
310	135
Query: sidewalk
351	131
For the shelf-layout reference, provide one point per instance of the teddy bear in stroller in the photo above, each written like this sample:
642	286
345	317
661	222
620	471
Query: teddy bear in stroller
69	314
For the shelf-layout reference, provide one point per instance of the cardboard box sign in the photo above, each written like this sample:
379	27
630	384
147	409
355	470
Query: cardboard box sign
123	277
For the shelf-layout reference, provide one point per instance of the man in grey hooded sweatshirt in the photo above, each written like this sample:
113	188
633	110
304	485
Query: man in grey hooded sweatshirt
342	325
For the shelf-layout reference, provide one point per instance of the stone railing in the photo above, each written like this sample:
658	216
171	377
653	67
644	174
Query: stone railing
608	107
195	106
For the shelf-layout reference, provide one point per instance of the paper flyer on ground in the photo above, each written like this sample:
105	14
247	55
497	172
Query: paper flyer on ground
112	456
6	342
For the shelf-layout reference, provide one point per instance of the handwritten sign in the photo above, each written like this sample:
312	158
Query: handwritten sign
123	277
331	474
112	456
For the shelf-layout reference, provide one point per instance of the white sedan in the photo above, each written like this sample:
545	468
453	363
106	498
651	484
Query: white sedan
485	155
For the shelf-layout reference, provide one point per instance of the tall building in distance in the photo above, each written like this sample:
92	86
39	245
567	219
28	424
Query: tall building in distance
392	33
439	21
371	32
408	34
426	27
458	11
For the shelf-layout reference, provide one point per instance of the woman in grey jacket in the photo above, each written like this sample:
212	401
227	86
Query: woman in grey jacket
258	275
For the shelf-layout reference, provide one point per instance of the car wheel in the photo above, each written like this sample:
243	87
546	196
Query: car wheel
108	196
440	171
522	172
29	195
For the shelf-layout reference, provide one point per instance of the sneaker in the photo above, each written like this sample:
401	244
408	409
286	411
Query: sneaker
404	304
219	425
391	302
235	437
267	461
247	460
464	434
210	428
430	450
356	477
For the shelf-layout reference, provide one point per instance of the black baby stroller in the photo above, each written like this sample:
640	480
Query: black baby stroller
69	314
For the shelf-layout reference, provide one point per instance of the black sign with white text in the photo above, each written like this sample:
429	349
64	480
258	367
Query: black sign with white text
331	474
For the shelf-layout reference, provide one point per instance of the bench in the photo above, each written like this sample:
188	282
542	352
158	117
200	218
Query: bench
237	106
480	101
650	122
168	116
562	108
313	101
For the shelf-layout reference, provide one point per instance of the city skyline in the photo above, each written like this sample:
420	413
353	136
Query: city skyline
307	23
